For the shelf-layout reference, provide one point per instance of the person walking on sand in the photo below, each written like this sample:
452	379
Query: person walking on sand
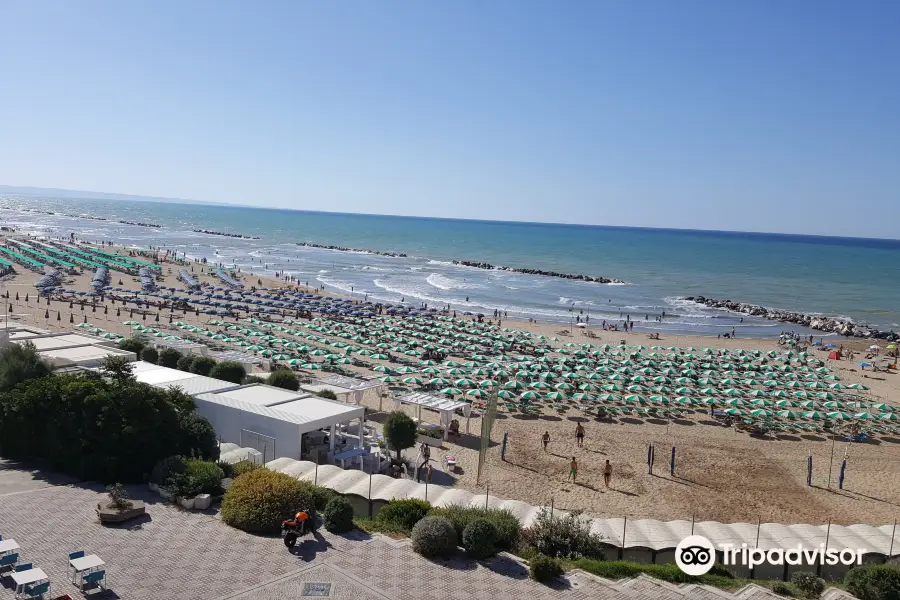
607	473
579	435
573	469
545	439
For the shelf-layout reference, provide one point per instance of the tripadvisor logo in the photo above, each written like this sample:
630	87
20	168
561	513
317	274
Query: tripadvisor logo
696	555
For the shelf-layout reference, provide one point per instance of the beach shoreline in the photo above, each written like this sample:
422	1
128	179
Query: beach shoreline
722	475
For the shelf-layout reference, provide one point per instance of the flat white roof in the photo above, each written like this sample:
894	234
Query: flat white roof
24	334
82	354
190	383
318	387
264	395
322	411
67	340
309	414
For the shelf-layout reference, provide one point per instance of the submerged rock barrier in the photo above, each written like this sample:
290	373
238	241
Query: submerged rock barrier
140	224
232	235
346	249
844	327
577	277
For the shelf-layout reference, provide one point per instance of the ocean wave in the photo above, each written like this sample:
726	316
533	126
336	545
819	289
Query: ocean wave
569	301
443	282
344	286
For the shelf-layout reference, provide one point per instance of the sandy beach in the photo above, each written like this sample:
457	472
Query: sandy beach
721	474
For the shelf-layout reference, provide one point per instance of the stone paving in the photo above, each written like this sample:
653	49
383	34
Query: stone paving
175	554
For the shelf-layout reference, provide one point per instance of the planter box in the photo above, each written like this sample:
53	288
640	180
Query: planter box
429	441
202	502
111	515
186	502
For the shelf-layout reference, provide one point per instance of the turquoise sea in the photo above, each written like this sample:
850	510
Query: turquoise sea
852	277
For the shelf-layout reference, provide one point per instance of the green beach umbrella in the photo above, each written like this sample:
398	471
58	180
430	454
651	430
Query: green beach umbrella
311	366
529	396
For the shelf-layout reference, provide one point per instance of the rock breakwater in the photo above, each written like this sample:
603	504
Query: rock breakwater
842	327
577	277
346	249
232	235
140	224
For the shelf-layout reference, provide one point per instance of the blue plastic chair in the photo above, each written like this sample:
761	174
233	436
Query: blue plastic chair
37	591
95	577
9	560
74	555
24	567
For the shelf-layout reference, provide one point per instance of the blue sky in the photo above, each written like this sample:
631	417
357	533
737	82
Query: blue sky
758	115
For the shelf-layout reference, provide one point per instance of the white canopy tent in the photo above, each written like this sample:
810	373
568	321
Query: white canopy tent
446	407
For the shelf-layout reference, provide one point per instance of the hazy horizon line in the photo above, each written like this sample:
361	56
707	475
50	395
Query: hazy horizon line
116	196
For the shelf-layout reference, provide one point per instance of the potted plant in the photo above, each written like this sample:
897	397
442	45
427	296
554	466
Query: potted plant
119	508
184	489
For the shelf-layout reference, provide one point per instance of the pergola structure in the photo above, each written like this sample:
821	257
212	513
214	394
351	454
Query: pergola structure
445	406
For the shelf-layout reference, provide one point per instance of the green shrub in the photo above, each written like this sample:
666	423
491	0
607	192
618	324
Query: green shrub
433	536
20	363
479	538
259	500
326	394
206	474
245	466
615	569
874	582
164	469
783	589
321	495
250	379
403	513
181	485
202	365
102	429
544	569
567	536
507	524
808	584
132	344
338	515
284	379
150	355
227	469
169	357
228	371
185	362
